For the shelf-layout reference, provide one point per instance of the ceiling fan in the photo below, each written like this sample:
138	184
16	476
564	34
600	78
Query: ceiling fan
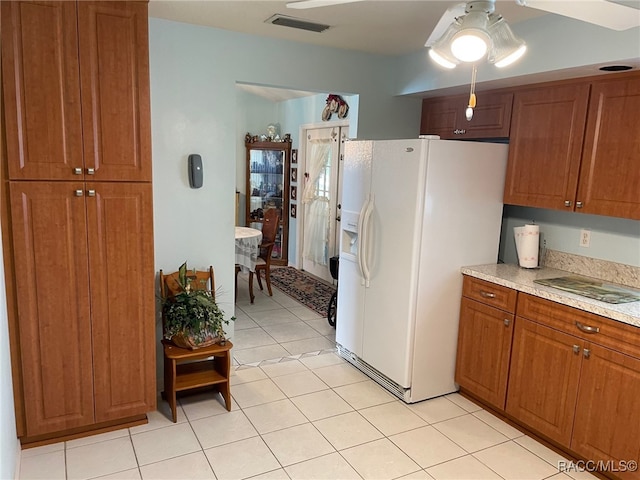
599	12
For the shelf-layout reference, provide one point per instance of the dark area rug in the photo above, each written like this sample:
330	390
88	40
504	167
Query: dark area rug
303	287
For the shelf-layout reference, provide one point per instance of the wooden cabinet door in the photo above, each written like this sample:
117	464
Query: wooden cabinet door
41	90
484	349
114	73
545	146
446	117
122	282
52	286
610	173
440	116
543	379
607	420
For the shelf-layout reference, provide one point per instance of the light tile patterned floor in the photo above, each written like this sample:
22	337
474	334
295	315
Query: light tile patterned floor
301	415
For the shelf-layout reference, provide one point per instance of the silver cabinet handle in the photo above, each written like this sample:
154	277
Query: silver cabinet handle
587	328
506	322
486	294
578	204
576	349
91	171
586	353
459	131
567	203
78	193
77	171
91	193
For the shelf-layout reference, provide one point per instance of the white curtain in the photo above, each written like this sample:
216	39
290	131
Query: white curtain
316	219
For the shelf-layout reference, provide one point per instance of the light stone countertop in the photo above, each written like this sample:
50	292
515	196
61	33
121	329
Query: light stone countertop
521	279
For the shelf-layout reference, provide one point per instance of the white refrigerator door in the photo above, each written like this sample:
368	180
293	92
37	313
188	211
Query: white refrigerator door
356	181
356	174
392	245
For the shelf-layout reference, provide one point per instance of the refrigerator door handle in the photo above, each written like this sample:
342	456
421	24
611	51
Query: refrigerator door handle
360	246
364	240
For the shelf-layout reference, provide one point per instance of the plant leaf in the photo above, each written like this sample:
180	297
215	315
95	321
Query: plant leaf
182	275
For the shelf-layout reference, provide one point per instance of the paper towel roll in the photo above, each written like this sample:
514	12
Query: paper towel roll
527	242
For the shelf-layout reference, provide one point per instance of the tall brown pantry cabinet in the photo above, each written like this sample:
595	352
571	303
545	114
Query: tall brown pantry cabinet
77	215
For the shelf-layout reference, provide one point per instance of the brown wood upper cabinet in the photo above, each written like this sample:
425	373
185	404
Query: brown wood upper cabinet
446	116
610	173
573	147
90	116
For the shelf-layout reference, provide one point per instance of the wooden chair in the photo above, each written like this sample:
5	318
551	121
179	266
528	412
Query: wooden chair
186	369
270	226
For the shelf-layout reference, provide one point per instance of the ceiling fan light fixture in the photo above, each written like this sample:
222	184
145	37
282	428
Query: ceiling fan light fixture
440	60
476	35
507	48
472	41
440	51
469	45
512	57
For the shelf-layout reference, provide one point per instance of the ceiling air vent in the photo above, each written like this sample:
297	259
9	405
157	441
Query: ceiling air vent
285	21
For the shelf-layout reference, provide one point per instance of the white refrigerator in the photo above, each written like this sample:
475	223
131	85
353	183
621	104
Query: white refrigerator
413	213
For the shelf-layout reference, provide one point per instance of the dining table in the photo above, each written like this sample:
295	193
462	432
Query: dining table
247	249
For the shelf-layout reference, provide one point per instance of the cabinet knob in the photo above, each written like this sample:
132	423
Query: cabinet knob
91	193
586	353
576	349
78	193
567	203
506	322
77	171
578	204
91	171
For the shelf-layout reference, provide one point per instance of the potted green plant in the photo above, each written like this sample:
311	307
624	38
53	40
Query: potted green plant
192	318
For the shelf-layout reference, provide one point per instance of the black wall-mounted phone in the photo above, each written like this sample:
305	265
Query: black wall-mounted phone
195	170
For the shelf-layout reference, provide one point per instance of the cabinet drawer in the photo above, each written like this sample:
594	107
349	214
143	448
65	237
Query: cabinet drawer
588	326
489	293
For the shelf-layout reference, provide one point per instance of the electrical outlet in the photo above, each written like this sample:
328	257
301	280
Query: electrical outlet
585	238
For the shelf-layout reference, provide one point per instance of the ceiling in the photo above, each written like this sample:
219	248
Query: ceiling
387	27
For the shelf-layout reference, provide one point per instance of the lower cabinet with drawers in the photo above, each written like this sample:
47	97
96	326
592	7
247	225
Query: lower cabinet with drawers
570	376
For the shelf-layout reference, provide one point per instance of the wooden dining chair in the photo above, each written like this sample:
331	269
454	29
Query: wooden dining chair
186	369
270	226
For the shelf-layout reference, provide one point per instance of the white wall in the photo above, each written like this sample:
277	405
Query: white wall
9	445
612	239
